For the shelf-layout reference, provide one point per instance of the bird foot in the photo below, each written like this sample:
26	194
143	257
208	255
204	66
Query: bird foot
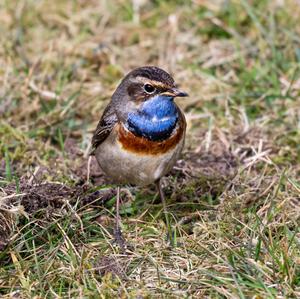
119	239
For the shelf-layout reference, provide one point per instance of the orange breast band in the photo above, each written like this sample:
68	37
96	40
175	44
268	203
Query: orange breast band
143	146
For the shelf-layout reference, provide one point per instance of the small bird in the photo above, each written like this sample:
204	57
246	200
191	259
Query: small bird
141	132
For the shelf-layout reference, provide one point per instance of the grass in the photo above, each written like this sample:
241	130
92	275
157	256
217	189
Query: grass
233	199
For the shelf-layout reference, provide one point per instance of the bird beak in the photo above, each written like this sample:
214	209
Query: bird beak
175	92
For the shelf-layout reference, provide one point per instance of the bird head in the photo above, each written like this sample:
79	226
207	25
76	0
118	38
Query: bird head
142	85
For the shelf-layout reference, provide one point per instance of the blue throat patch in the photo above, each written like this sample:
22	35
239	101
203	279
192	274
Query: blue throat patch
155	120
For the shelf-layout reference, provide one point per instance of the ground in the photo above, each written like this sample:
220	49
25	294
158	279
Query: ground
233	198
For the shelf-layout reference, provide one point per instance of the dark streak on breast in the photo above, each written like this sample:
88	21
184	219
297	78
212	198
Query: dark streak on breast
143	146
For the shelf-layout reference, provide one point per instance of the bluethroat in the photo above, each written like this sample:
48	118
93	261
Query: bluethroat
141	132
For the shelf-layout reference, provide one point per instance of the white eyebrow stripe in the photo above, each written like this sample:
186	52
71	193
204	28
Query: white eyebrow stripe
144	80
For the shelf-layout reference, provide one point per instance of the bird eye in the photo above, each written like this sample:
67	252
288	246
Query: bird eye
149	88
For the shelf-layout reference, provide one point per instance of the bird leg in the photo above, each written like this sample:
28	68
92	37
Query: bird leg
118	233
162	197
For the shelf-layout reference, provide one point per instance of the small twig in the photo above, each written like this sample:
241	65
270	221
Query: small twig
12	196
46	94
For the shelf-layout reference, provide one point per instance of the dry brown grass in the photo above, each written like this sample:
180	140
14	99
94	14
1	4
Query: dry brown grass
233	198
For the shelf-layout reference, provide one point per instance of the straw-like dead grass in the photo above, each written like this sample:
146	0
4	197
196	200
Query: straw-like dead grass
233	199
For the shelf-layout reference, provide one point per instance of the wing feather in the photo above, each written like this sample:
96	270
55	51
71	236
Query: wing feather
104	127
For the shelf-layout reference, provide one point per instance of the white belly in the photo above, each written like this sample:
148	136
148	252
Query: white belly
132	168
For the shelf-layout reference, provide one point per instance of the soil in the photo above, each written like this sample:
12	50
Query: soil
210	171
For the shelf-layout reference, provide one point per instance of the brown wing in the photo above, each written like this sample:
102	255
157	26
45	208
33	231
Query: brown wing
104	127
